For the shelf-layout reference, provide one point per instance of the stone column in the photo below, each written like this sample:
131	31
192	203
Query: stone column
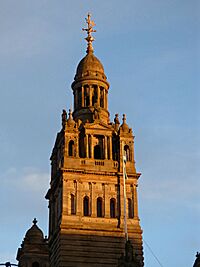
91	147
106	147
92	203
67	146
110	138
79	199
86	146
107	202
132	152
104	98
75	195
98	95
82	96
77	147
103	200
90	94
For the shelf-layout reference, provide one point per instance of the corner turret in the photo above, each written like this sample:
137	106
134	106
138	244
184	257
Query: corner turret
34	249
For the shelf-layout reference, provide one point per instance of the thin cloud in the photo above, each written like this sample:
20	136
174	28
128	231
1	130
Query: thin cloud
22	198
23	194
29	179
170	189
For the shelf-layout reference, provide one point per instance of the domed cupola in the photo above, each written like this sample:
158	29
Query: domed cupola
90	86
90	67
34	233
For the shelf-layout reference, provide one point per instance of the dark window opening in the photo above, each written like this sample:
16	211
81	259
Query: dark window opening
73	205
99	207
86	206
108	147
112	208
130	208
81	147
86	96
115	148
102	98
87	101
94	95
71	148
97	152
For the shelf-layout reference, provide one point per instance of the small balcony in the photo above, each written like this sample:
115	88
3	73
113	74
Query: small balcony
90	164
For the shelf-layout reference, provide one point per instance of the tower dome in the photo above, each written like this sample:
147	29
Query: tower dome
34	233
90	67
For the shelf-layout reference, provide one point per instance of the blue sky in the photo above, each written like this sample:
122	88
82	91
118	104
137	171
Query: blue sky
150	52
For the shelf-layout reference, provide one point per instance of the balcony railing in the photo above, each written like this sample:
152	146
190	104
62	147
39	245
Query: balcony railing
90	164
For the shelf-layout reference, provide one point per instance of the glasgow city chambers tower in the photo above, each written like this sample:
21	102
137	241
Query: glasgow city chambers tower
93	205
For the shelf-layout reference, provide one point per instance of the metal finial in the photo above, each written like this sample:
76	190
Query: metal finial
34	221
89	30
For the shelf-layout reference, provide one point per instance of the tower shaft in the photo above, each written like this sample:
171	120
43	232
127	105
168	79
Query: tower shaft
86	195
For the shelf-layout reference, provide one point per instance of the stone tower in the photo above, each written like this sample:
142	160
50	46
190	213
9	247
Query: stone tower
86	199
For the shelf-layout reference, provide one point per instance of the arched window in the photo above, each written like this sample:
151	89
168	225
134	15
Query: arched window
71	148
86	206
97	152
35	264
115	147
130	208
99	207
127	152
73	204
112	208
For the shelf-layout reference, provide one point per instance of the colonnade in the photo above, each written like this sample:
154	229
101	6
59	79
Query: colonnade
106	146
89	95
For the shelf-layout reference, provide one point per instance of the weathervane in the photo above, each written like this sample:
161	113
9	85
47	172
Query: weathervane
89	31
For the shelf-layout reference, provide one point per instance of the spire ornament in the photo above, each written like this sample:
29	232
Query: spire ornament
34	221
89	31
124	125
